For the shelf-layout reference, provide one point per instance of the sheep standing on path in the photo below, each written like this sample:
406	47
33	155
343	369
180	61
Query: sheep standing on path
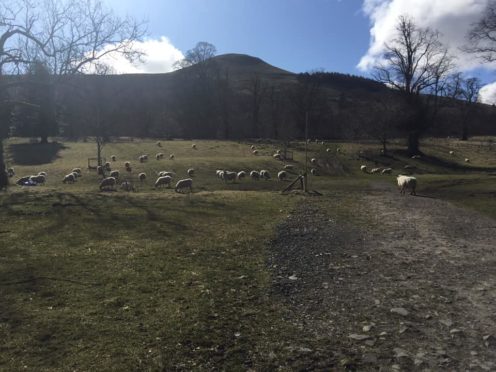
186	183
108	182
407	182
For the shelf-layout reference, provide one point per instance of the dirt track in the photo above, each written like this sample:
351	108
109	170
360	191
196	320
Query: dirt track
413	289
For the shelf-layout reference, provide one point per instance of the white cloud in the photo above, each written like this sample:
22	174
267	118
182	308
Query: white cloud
487	94
160	56
452	18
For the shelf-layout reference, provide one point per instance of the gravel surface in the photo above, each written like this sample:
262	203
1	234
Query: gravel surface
412	289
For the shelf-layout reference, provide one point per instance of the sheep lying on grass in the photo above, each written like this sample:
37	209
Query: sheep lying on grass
69	178
186	183
108	183
162	181
407	182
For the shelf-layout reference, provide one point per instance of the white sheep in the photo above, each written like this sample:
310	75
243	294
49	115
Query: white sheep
252	147
99	170
159	144
278	157
191	172
363	168
127	164
21	181
387	171
265	174
108	182
375	170
171	156
255	152
186	183
313	161
113	158
142	176
229	176
219	172
127	186
69	178
452	152
314	172
282	175
467	160
42	174
10	172
107	166
255	175
241	175
115	174
407	182
75	174
193	146
164	180
289	167
278	152
38	179
328	150
165	173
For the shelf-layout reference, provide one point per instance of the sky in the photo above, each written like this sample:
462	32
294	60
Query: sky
344	36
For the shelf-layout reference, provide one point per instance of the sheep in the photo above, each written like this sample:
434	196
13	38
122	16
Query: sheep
338	150
21	181
387	171
416	157
159	156
77	170
229	176
42	174
127	186
452	152
127	164
107	166
289	167
141	159
313	161
129	169
255	152
241	175
190	172
328	149
113	158
193	146
165	173
159	144
278	157
75	174
164	180
407	182
108	182
171	156
114	174
363	168
186	183
99	170
37	179
467	160
219	172
255	175
10	172
375	170
314	172
278	152
142	176
252	147
69	178
282	175
265	174
322	143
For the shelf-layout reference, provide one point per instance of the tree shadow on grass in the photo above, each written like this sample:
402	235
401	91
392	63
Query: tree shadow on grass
35	153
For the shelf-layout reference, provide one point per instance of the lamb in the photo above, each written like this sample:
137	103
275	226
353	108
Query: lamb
21	181
108	182
313	161
37	179
387	171
69	178
289	167
265	174
186	183
255	175
193	146
314	172
255	152
363	168
113	158
142	176
229	176
10	172
171	156
241	175
407	182
164	180
282	175
114	174
278	157
190	172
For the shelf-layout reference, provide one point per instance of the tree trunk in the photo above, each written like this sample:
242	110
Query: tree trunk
384	148
413	143
4	180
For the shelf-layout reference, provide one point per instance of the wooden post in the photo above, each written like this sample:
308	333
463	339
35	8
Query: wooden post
305	183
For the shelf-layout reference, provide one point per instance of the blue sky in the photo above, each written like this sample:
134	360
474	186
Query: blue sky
346	36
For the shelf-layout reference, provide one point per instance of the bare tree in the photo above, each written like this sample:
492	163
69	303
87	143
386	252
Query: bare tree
200	54
482	36
415	62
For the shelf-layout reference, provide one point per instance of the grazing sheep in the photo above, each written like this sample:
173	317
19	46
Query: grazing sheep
387	171
69	178
107	166
219	172
265	174
229	176
255	175
10	172
252	147
159	144
129	169
452	152
193	146
278	152
282	175
328	150
241	175
165	173
407	182
159	156
42	174
127	186
77	170
467	160
113	158
164	180
142	177
114	174
255	152
108	182
21	181
375	170
363	168
127	164
278	157
322	143
186	183
314	172
190	172
99	170
141	159
313	161
289	167
37	179
171	156
75	174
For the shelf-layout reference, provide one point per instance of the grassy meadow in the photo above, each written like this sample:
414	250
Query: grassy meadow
153	279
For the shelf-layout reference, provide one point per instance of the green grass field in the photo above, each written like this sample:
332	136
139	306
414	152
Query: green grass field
154	279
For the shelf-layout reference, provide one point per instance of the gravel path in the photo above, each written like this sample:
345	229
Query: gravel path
412	289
